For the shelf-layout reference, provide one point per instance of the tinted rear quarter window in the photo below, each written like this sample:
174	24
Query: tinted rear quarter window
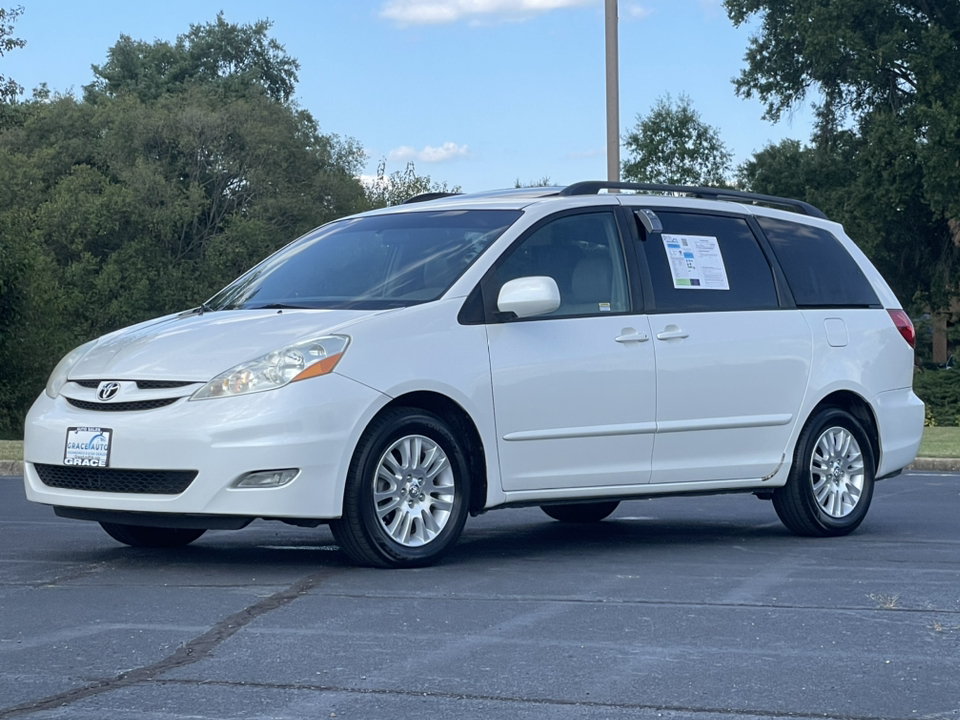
818	268
749	276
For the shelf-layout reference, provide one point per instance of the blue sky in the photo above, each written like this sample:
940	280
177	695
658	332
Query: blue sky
478	93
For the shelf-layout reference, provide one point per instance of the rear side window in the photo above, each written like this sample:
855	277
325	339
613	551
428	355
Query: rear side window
708	263
819	270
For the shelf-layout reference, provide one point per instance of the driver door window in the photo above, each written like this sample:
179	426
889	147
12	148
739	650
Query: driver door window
582	253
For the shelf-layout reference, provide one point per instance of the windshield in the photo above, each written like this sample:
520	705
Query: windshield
369	263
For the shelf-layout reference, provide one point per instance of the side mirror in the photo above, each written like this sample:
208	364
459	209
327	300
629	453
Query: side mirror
529	296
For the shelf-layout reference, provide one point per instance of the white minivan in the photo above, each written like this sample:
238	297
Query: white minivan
392	372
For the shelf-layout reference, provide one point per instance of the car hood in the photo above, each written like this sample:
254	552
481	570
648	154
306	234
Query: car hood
198	347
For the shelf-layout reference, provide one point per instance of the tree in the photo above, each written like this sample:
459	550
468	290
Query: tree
673	145
544	181
9	89
233	57
875	62
887	71
144	198
385	190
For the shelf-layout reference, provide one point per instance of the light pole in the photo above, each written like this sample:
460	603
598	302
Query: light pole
613	93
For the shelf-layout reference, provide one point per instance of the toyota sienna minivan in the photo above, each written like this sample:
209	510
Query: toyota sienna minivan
391	373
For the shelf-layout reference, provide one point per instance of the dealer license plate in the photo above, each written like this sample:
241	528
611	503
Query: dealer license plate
88	446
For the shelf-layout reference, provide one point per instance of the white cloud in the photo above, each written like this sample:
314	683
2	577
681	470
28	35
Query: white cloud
402	154
635	11
447	151
712	8
436	12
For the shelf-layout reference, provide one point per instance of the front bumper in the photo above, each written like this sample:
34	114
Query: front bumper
312	425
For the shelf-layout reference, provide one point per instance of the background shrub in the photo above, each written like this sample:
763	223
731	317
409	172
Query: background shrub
940	390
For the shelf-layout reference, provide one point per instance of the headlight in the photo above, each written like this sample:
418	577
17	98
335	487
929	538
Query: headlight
274	370
59	376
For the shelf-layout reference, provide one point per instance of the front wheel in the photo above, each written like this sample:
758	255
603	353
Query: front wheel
151	537
830	486
581	512
407	492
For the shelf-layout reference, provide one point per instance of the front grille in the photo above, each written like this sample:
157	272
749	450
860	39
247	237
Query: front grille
116	480
122	406
141	384
162	384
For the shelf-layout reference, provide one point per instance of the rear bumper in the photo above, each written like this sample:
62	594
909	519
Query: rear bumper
900	424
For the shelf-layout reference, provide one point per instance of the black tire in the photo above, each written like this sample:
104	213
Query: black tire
581	512
151	537
830	488
421	509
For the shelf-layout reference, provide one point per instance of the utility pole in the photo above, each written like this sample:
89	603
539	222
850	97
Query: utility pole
613	93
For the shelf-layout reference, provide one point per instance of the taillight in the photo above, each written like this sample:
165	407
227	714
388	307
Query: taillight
905	326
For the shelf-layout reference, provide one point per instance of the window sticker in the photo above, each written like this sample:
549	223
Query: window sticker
695	262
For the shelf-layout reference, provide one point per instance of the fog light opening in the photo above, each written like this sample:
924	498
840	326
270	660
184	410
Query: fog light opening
267	478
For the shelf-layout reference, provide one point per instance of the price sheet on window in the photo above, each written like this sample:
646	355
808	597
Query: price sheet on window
696	262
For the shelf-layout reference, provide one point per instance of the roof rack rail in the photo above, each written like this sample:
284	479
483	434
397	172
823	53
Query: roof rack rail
592	187
425	197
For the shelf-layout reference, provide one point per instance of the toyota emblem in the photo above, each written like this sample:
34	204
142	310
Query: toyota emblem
107	390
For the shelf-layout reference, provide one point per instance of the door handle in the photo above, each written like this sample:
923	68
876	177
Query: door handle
671	332
632	337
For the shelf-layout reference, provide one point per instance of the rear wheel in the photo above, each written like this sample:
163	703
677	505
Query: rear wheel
581	512
830	486
406	496
152	537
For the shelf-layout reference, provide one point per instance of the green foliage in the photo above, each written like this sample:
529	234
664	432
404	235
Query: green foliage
9	89
860	54
230	57
940	390
386	190
888	74
129	204
673	145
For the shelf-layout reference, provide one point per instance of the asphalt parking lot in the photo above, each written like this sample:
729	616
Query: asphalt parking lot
699	608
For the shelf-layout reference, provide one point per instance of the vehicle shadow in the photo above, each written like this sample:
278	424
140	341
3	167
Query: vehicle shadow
293	549
611	536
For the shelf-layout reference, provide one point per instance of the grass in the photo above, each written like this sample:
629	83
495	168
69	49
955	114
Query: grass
938	442
11	449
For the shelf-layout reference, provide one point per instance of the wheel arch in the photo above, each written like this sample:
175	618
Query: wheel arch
453	413
861	410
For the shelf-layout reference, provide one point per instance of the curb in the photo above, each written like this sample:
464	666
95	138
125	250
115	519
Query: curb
14	468
934	465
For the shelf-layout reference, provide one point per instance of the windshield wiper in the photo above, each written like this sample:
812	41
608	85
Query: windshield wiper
199	310
277	306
